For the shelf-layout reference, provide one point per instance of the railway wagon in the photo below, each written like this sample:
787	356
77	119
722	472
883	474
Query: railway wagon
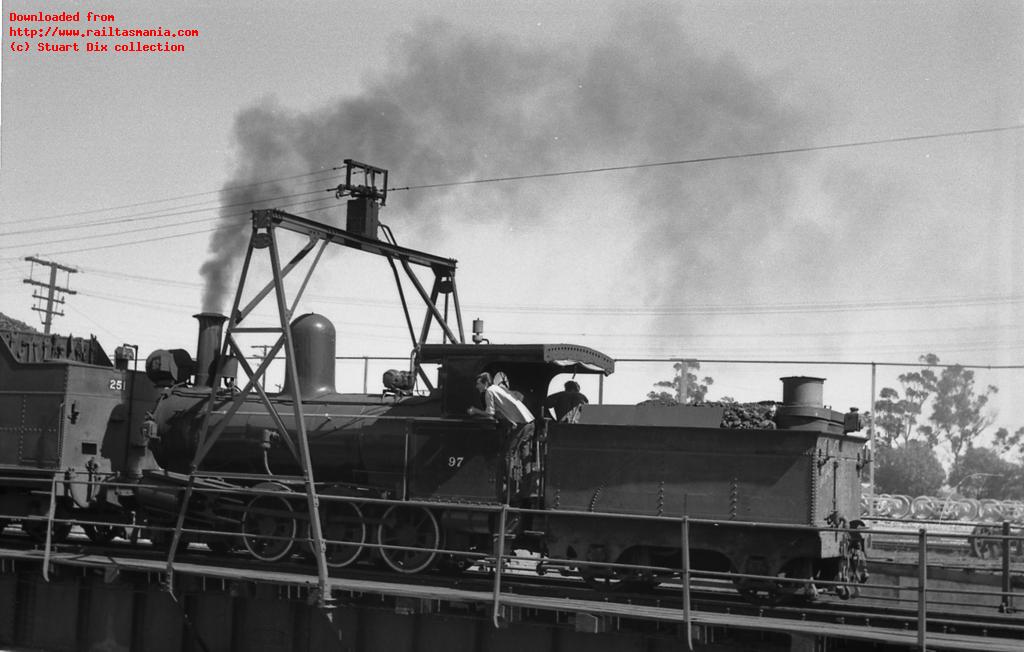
65	414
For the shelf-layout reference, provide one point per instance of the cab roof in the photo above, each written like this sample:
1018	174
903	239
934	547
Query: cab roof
567	358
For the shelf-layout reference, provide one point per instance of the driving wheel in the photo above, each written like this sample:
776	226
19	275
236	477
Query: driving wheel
409	538
269	526
344	533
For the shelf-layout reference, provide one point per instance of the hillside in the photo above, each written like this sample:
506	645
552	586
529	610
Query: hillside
10	323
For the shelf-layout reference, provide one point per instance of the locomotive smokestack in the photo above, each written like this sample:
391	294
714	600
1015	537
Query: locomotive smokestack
211	325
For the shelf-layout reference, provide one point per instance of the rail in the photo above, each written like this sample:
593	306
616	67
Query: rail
925	607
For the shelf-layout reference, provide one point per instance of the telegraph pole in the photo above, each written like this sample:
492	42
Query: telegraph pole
263	350
52	289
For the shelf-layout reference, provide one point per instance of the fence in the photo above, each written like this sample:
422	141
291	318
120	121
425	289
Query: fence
913	603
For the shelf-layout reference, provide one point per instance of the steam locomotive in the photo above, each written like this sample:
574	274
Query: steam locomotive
618	495
412	481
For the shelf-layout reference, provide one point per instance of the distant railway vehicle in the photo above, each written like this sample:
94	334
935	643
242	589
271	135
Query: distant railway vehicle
65	416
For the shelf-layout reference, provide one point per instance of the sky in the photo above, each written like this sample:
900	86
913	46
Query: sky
752	182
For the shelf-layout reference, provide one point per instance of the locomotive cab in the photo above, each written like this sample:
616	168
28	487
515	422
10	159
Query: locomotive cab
529	368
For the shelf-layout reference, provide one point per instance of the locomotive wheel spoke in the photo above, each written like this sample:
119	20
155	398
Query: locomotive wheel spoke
415	531
268	528
344	532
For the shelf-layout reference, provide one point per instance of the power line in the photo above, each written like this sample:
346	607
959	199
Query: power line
161	215
92	236
630	311
330	172
146	240
710	159
168	199
156	239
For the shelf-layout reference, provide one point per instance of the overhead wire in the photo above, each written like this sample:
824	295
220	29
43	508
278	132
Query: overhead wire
745	308
691	310
105	209
710	159
158	215
737	347
154	239
161	215
168	226
332	172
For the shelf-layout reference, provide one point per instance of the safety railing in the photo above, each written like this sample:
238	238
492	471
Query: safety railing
924	595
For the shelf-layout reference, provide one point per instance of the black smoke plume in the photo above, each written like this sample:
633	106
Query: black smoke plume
452	105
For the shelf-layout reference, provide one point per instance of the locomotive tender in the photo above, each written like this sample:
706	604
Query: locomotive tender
405	477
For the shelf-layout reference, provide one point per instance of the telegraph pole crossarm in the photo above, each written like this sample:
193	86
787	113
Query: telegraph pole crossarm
52	288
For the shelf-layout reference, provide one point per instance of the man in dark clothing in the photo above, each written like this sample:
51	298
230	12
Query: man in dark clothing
564	403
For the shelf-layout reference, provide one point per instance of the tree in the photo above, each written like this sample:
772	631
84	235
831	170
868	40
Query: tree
983	474
684	381
958	410
896	417
911	469
1004	441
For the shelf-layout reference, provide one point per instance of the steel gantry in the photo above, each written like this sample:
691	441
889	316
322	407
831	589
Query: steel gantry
360	234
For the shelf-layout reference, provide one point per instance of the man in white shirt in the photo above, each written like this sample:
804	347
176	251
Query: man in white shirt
499	403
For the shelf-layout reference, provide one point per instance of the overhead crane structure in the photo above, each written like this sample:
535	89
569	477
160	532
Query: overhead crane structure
361	234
